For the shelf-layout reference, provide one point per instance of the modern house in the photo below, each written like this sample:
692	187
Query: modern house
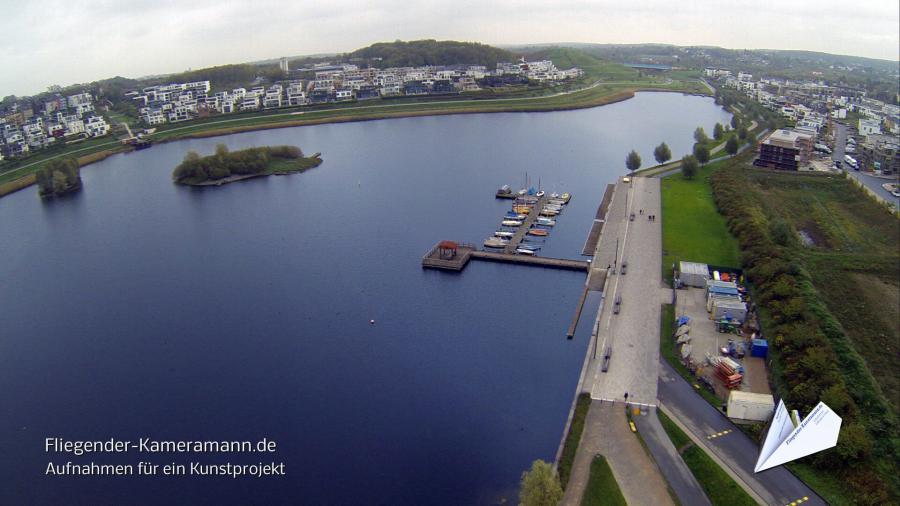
785	150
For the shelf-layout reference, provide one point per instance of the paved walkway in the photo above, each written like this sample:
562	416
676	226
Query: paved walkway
607	433
633	334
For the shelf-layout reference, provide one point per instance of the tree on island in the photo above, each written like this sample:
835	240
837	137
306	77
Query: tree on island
246	162
700	136
540	486
701	152
742	132
662	153
633	161
58	177
732	145
718	131
735	122
689	166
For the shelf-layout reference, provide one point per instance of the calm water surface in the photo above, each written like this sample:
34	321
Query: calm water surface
141	309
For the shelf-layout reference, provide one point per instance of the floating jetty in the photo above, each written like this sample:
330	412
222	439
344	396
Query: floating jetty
526	225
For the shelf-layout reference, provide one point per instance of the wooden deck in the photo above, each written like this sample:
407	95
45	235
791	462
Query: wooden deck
526	225
433	260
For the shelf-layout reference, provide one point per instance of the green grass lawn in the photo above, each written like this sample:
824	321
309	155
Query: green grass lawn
719	487
602	488
564	468
693	229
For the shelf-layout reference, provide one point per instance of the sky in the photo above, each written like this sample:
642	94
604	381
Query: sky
47	42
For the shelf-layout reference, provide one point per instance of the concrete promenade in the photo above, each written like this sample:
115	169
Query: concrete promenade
633	336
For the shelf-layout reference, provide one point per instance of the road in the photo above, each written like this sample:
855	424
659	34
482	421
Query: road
735	450
868	180
638	478
669	461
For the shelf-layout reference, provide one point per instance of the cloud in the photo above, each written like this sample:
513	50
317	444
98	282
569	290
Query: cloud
64	42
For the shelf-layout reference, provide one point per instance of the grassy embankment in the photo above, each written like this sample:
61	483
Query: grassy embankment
719	487
823	259
573	438
602	488
617	83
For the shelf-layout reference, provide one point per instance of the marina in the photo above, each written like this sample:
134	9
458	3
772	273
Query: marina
529	220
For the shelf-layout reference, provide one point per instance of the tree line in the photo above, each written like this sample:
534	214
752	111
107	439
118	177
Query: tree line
701	152
417	53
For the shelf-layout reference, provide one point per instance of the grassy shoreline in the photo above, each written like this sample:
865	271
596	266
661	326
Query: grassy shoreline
594	96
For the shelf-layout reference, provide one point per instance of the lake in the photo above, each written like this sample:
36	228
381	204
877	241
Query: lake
138	308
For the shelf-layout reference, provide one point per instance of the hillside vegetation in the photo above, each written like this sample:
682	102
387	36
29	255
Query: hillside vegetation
823	261
431	52
594	68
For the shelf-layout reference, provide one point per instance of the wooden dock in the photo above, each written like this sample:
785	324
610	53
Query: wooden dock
526	225
435	260
558	263
599	219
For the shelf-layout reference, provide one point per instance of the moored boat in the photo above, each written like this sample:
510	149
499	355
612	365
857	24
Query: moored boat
511	223
504	234
565	197
538	232
505	192
523	251
547	222
495	242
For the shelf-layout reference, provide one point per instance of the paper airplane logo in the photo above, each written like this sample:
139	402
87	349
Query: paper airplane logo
790	439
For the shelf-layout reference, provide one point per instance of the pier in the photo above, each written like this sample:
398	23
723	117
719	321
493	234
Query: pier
526	225
558	263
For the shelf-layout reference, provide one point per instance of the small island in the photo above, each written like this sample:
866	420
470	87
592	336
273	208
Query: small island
58	177
227	167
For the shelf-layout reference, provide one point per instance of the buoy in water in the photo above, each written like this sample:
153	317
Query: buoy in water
372	322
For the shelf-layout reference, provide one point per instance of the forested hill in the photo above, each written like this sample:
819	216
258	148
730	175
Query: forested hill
431	52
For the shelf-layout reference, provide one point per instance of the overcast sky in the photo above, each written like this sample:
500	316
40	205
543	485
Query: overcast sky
70	41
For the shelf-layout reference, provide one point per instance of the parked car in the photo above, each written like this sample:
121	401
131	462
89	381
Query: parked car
624	266
618	304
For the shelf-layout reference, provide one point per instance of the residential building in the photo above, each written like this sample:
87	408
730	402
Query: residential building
785	150
869	127
96	126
